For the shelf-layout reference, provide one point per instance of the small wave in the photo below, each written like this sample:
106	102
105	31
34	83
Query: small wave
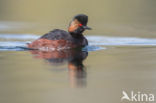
18	36
14	41
16	48
13	45
93	48
93	40
117	41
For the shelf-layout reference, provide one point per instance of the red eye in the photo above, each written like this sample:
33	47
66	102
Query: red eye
80	25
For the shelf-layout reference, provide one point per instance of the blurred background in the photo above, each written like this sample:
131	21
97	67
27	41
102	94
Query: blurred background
26	78
106	17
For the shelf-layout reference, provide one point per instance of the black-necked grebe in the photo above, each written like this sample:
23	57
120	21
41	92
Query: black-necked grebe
60	39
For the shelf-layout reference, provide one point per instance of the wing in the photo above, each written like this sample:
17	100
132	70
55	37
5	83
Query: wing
57	34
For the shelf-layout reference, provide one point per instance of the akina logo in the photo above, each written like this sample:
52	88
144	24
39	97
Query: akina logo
137	96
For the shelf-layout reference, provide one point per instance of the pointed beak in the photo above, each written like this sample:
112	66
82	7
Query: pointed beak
86	27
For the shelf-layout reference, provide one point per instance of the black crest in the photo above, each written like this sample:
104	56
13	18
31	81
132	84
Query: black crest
82	18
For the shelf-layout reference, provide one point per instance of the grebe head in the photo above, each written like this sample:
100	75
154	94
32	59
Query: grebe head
78	24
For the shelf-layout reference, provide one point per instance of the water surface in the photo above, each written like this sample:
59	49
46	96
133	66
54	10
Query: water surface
121	54
112	64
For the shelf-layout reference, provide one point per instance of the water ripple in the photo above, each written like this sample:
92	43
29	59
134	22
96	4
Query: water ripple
18	41
18	36
117	41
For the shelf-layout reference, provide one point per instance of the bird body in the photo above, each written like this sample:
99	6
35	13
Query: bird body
59	39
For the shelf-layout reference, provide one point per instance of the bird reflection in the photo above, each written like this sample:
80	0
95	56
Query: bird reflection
74	59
